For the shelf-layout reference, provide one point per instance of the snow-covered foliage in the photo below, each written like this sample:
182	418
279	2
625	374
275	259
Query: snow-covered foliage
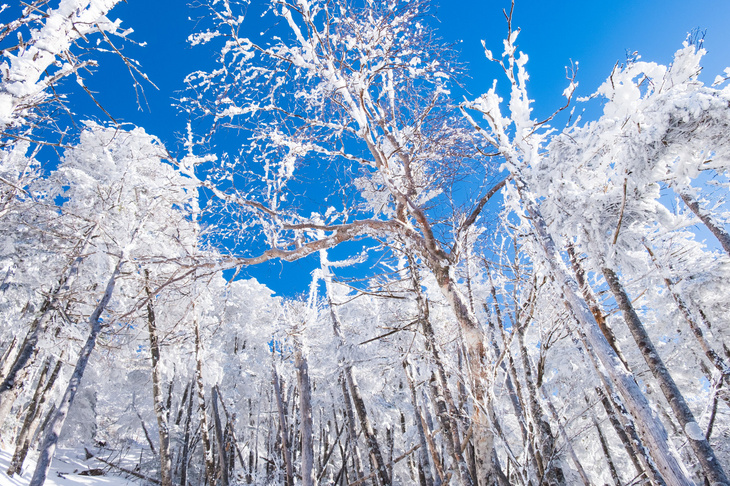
576	334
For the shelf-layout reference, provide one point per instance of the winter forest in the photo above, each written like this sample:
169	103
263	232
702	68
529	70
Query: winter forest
497	297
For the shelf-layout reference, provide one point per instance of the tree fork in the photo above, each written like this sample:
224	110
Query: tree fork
590	298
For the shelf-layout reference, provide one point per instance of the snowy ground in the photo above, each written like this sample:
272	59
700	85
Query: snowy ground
65	471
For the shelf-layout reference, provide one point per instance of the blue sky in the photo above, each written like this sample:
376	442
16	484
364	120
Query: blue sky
596	34
553	33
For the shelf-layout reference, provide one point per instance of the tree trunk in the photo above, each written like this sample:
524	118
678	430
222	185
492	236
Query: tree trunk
367	428
48	447
186	437
702	449
305	409
620	431
28	431
566	437
285	446
443	393
706	217
545	438
710	353
351	430
220	442
476	355
423	451
580	277
353	388
652	430
604	444
5	361
161	411
514	388
22	439
202	415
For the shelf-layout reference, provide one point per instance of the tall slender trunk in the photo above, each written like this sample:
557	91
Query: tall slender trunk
566	437
305	409
28	431
5	361
514	388
423	451
476	357
353	388
202	414
545	438
21	440
48	447
283	427
701	447
652	430
186	437
620	431
441	391
161	411
590	298
351	429
604	445
707	218
220	442
367	428
230	434
717	361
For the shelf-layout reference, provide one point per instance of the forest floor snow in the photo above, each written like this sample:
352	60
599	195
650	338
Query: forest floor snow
65	471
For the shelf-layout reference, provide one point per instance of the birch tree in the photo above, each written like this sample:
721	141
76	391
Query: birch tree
366	90
522	149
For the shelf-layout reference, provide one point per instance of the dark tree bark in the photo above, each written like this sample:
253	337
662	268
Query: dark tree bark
161	411
12	383
305	408
202	414
186	437
220	442
283	427
32	416
48	447
702	449
707	219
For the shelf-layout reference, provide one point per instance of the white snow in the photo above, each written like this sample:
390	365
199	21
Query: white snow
67	464
694	431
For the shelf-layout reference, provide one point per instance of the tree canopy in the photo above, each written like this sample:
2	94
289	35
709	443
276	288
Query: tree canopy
496	297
